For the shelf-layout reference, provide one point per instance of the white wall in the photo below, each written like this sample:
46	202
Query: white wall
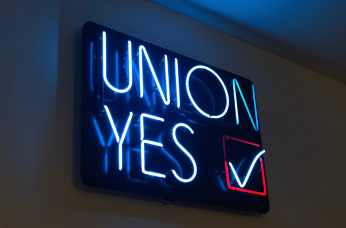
302	116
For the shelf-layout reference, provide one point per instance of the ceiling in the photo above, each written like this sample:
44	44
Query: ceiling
309	32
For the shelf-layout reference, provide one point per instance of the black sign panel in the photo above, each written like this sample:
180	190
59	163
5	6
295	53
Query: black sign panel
158	123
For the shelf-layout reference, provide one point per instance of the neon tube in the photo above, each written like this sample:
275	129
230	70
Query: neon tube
177	83
99	134
249	171
245	190
104	61
186	152
227	173
142	122
106	162
235	82
112	123
143	158
122	140
111	137
235	103
137	75
142	49
194	103
91	65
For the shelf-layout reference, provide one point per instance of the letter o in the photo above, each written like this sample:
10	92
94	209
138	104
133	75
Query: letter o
194	103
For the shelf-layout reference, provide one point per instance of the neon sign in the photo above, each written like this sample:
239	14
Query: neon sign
176	128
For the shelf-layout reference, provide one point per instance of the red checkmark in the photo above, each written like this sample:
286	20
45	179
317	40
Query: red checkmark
227	172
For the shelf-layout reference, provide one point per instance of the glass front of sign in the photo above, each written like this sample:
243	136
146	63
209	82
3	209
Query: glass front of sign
158	123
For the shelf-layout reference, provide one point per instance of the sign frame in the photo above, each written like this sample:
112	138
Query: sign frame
158	123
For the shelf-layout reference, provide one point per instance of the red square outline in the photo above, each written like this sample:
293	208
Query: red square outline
227	172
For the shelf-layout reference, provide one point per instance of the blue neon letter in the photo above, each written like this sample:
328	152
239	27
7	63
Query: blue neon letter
148	142
143	158
186	152
235	83
143	50
194	103
104	65
120	141
177	83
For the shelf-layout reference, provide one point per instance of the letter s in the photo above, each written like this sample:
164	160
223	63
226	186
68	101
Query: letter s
186	152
